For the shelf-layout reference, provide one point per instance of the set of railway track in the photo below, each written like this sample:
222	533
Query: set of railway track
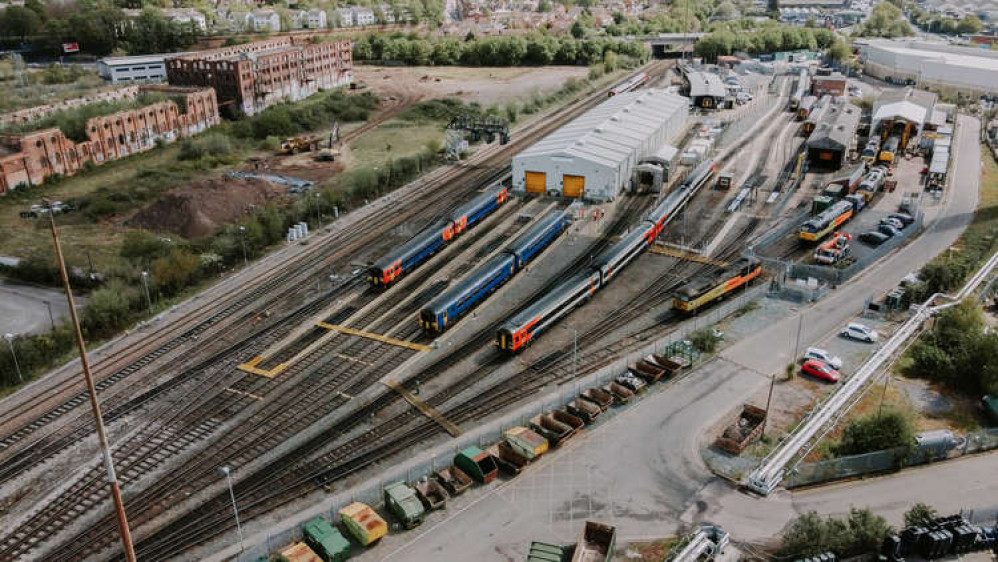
202	415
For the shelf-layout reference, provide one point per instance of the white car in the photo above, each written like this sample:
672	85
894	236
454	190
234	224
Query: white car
822	355
743	97
860	332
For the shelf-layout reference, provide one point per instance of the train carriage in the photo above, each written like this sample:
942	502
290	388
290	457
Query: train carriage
445	309
807	104
667	208
630	84
408	256
626	249
456	300
704	289
518	331
826	221
467	214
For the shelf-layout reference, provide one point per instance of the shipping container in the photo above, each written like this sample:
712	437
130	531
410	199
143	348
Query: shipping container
402	502
596	543
525	442
454	480
326	540
477	464
300	552
363	523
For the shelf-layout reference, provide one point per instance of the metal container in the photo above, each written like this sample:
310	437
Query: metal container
525	442
401	500
477	464
432	494
363	523
584	409
300	552
598	396
326	540
454	480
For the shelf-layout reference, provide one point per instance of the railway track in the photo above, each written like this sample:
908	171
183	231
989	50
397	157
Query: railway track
208	411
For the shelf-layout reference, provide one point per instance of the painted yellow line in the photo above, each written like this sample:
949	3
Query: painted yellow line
674	253
426	409
251	367
376	337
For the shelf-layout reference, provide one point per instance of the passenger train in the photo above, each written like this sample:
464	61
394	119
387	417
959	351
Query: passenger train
419	248
800	90
826	221
443	311
704	289
632	83
518	331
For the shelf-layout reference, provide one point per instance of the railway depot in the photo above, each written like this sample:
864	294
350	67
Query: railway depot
594	156
455	302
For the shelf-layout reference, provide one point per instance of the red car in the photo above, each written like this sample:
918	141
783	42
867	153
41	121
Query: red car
820	370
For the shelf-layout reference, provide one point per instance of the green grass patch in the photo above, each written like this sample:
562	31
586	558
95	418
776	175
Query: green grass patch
395	139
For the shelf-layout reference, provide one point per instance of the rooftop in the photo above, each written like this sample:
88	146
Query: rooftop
706	84
611	131
836	128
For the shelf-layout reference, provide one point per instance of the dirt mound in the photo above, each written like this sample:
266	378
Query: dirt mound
202	207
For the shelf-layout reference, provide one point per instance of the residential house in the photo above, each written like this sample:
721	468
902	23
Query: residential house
308	19
356	16
265	20
186	16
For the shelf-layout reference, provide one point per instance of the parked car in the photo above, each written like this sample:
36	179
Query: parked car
822	355
820	370
903	218
892	222
888	230
873	238
743	97
860	332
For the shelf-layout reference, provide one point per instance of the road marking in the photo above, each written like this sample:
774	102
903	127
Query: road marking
376	337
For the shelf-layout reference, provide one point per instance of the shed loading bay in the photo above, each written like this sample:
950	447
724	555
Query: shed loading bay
594	156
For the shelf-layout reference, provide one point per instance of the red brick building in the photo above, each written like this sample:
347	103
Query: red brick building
28	158
833	84
253	76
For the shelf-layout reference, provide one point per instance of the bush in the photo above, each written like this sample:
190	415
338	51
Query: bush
920	514
704	340
107	310
317	112
958	352
810	534
877	432
142	246
175	271
211	144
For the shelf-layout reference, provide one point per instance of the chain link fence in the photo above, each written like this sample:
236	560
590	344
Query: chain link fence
370	491
807	474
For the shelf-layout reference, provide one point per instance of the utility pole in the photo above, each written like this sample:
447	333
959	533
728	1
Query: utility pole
242	242
145	284
112	478
17	368
800	326
769	400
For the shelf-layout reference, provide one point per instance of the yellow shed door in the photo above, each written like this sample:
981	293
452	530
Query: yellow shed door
574	186
536	182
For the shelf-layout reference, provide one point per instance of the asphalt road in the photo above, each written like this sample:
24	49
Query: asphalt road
643	471
23	309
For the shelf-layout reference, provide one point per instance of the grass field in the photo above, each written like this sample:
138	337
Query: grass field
393	139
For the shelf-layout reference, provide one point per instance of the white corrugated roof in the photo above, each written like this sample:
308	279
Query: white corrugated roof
909	111
706	84
613	130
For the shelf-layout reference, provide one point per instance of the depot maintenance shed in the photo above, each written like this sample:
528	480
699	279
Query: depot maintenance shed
594	156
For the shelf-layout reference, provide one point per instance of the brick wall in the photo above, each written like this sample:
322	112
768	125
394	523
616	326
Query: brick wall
31	157
254	76
37	112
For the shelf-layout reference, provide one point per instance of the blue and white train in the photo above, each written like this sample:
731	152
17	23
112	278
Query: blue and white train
443	311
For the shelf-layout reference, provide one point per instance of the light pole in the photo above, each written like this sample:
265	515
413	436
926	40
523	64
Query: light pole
51	318
145	285
242	242
228	478
17	368
318	211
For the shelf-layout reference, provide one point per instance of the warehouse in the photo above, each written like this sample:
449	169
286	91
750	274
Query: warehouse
830	142
903	113
930	64
594	155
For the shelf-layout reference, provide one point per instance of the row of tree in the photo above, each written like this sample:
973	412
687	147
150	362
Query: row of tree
100	31
768	38
958	352
534	49
885	20
861	533
935	23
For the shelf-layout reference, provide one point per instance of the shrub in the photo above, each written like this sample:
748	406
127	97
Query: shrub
876	432
810	534
704	340
107	310
920	514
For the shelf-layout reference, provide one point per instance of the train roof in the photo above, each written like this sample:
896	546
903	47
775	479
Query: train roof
694	287
486	195
469	282
412	245
553	298
626	241
537	230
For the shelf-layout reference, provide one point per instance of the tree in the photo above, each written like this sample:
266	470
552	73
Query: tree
861	532
868	530
107	310
920	514
877	432
578	30
970	24
839	51
19	22
175	271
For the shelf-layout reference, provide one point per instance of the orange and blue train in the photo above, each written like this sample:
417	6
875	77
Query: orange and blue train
523	327
443	311
407	257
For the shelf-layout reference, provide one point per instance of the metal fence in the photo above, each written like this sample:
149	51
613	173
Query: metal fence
370	491
806	474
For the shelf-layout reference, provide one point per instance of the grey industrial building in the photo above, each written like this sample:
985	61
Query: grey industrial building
707	90
830	142
594	156
931	64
